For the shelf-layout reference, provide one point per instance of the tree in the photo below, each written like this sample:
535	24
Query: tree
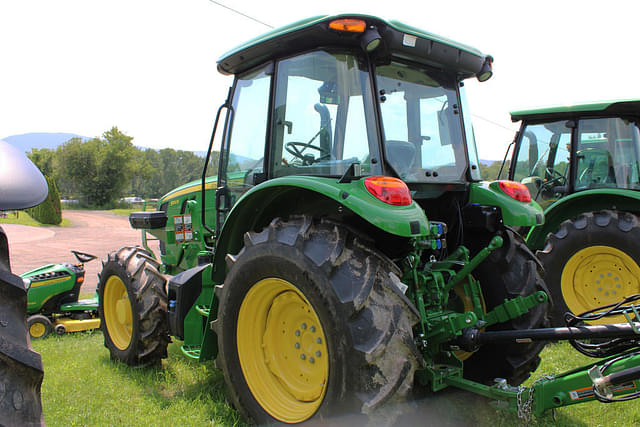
43	158
49	211
99	169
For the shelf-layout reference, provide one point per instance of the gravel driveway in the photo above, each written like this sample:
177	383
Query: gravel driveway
94	232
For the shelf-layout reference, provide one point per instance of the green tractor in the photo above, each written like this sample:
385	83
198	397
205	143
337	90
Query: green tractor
303	261
21	373
581	163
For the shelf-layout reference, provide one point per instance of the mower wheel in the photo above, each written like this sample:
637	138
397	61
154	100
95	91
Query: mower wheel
591	261
21	370
132	303
311	323
39	326
509	272
60	329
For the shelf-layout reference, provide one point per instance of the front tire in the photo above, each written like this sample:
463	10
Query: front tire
312	324
591	261
39	326
132	303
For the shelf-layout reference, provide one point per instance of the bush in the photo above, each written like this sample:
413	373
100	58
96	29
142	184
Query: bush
49	211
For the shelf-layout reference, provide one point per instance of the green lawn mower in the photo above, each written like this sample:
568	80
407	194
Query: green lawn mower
52	299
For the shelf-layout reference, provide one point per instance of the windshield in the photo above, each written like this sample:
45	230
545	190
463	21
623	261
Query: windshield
324	120
421	120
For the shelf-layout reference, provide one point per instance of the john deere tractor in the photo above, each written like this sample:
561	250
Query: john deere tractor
582	164
21	186
303	260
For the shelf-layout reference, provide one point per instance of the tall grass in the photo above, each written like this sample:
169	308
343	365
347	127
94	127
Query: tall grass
82	386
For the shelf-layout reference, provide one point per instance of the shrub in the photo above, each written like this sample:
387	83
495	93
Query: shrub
49	211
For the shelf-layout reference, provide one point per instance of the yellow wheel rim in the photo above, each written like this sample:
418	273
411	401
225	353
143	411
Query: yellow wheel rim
597	276
37	330
117	312
282	350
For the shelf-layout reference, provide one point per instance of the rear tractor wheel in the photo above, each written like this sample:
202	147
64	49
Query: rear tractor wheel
509	272
312	324
133	307
592	261
21	370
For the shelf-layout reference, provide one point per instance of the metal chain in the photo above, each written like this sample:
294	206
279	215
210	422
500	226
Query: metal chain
524	406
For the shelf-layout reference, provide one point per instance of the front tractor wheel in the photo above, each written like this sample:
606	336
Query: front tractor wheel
133	307
592	261
311	324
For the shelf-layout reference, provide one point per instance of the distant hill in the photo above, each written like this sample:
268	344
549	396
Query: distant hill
40	140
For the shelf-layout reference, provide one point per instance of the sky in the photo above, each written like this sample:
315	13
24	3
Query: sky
149	66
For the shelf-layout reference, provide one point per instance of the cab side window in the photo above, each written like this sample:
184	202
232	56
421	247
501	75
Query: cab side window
247	133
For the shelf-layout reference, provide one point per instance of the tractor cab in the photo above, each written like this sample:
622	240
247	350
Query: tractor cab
565	150
351	97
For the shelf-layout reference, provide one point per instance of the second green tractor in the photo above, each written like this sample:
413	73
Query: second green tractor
581	163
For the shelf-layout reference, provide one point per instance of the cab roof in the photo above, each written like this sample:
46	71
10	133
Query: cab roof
398	40
629	107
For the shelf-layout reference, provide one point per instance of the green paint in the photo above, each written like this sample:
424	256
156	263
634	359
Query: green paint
514	213
595	107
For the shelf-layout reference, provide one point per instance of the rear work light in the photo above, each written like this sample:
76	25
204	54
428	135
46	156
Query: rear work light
390	190
348	24
515	190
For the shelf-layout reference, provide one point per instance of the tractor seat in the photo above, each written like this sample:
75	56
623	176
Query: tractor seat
400	155
83	257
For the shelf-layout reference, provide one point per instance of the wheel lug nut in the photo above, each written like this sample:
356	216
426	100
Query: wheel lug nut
297	345
302	356
312	329
311	360
297	333
318	353
303	326
319	340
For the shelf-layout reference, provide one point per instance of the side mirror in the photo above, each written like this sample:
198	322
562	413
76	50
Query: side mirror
22	185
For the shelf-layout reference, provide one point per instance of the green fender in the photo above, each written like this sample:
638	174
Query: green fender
584	201
514	213
317	196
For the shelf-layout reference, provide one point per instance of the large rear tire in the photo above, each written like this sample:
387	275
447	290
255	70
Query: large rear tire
591	261
509	272
132	301
21	370
311	323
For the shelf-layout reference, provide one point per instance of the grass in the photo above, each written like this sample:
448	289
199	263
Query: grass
23	218
93	390
124	211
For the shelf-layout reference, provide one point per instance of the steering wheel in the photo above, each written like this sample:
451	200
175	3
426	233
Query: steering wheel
556	179
296	149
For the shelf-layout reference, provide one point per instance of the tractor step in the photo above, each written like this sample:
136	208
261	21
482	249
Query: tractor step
191	351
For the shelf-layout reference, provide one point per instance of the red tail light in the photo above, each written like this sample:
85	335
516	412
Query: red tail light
515	190
390	190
